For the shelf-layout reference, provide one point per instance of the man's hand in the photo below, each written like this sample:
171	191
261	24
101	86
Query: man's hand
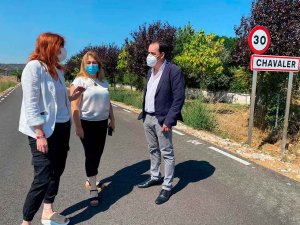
165	128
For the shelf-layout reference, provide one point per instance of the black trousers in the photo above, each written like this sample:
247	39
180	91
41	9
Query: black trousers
93	144
47	169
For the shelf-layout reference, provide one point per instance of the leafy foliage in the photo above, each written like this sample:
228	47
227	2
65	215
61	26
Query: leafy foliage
182	36
197	116
137	47
17	73
241	80
201	56
134	98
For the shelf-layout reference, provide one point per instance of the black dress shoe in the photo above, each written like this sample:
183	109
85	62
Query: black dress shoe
164	196
149	183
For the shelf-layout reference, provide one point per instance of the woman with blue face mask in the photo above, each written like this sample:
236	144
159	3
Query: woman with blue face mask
92	115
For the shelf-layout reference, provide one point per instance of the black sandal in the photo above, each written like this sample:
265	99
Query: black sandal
94	201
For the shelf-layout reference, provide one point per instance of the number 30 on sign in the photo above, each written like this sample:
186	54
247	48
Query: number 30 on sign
259	39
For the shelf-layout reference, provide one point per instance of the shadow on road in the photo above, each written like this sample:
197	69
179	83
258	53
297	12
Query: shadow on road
191	171
123	182
120	184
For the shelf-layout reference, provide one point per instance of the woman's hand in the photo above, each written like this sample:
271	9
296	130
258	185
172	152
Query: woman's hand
42	145
112	124
79	132
76	93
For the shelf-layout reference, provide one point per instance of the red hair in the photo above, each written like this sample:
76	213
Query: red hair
47	49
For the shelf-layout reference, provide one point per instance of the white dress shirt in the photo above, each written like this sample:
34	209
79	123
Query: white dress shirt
152	87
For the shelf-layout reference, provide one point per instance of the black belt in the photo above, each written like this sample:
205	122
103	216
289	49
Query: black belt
150	114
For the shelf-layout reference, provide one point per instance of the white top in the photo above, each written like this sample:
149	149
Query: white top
63	114
151	88
95	102
39	106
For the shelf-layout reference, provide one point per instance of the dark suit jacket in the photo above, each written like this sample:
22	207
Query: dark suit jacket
169	97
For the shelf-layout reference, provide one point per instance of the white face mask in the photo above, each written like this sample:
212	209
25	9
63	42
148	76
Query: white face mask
63	55
151	60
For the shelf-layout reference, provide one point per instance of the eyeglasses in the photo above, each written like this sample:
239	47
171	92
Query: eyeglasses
92	62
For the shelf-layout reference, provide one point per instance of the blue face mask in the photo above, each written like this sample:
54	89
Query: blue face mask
92	69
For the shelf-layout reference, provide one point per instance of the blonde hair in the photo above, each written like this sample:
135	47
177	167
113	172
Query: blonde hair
83	73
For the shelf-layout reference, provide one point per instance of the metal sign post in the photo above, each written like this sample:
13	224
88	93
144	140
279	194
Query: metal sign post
251	114
279	64
287	112
259	40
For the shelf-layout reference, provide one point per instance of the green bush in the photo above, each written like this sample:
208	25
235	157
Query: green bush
241	80
6	84
194	112
197	116
134	98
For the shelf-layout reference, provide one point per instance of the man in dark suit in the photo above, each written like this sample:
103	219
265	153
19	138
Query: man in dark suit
164	96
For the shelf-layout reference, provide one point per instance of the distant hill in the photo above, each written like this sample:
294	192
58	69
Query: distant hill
6	69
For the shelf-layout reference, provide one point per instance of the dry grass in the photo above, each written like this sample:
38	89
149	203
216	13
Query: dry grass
7	82
232	123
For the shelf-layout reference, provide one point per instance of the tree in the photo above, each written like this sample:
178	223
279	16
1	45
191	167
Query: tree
282	18
182	36
122	64
123	69
200	57
17	73
137	47
110	60
240	80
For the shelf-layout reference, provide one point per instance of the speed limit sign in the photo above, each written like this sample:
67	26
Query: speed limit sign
259	39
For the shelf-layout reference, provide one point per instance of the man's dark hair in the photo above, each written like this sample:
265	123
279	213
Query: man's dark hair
163	47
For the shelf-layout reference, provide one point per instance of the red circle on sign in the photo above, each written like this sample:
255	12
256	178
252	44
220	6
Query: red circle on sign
265	36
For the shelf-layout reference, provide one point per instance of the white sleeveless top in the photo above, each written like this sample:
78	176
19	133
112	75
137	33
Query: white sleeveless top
95	102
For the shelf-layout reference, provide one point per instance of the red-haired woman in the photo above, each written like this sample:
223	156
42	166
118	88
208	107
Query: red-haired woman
45	119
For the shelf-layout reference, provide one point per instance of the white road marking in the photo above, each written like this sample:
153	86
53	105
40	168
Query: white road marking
195	142
114	105
126	110
230	156
177	132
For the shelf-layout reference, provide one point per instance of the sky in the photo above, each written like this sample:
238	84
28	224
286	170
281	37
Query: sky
95	22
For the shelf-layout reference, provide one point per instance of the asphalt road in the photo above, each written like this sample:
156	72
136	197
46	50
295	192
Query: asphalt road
209	187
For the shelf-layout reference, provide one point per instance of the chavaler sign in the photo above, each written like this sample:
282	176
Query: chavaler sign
274	63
